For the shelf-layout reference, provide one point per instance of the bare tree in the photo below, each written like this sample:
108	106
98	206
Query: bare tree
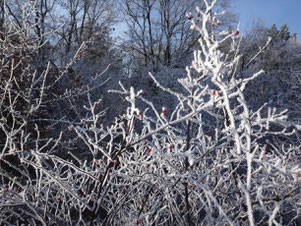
158	31
84	19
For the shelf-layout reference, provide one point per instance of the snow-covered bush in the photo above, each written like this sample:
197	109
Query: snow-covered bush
203	162
32	119
280	85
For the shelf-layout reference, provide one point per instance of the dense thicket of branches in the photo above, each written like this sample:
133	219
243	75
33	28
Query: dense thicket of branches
89	137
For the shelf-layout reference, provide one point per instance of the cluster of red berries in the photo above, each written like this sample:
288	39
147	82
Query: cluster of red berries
98	102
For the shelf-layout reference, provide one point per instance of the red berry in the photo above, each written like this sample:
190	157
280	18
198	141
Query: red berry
164	111
98	162
189	16
218	23
213	92
141	115
147	166
137	222
59	199
236	32
110	171
263	158
83	120
148	150
120	155
170	147
95	105
115	163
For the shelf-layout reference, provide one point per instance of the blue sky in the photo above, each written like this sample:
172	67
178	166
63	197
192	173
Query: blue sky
269	12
